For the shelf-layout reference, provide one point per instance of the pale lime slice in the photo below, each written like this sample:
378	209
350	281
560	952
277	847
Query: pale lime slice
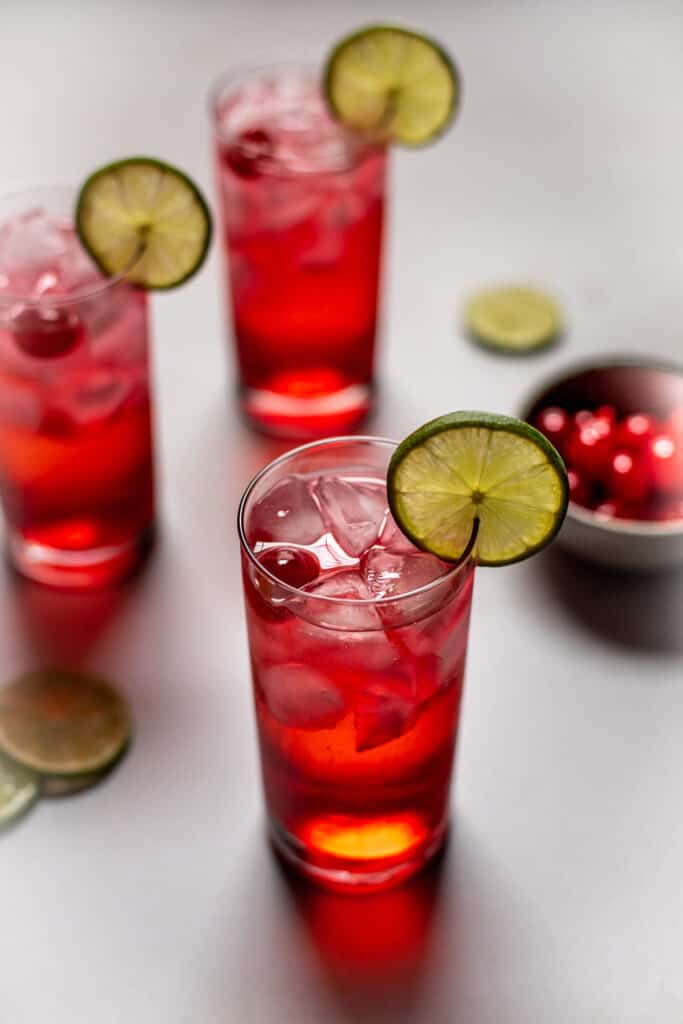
145	219
392	83
19	790
475	470
63	723
513	318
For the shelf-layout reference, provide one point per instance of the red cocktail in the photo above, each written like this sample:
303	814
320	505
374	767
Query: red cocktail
301	203
76	475
358	644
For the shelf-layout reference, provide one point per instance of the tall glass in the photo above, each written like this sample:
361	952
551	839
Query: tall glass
358	645
301	203
76	473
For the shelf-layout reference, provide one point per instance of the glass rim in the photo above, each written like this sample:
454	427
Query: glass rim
464	562
79	294
232	77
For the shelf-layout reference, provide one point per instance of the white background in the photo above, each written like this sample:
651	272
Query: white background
154	898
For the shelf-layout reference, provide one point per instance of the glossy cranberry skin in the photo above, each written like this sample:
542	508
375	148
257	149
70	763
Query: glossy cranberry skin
245	155
589	449
43	337
629	476
579	491
634	432
555	424
665	453
291	565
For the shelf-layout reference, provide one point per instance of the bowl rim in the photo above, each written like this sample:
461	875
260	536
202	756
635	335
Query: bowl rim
586	516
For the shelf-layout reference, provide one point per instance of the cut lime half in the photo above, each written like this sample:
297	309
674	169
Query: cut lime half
392	83
513	319
59	722
145	219
476	467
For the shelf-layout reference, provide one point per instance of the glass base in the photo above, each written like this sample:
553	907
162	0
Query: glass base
85	569
285	415
353	876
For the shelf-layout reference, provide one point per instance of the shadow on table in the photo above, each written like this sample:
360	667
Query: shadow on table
62	627
641	611
373	948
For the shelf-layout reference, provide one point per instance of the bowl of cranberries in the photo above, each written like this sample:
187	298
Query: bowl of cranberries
619	428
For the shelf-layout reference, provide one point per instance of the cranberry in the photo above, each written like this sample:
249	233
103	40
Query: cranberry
583	417
588	450
666	458
629	477
607	412
635	431
607	510
579	491
293	566
246	153
555	424
46	337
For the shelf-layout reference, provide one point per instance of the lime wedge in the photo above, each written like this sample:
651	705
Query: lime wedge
474	469
144	219
19	790
62	723
513	319
392	83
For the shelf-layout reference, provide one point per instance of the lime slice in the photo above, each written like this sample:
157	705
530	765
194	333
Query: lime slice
392	83
513	319
477	469
144	219
62	723
19	790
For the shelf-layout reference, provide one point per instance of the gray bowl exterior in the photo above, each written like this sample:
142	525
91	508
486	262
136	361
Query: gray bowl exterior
620	547
631	386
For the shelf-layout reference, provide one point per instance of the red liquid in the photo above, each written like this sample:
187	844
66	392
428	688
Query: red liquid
357	727
76	474
302	232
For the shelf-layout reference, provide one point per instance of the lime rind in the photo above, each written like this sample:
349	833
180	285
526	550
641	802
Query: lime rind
19	790
393	83
144	219
513	319
469	467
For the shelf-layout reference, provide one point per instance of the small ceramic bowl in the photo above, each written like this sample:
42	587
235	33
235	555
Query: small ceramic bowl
637	385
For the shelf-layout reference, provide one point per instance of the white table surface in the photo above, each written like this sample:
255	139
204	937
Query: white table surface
154	899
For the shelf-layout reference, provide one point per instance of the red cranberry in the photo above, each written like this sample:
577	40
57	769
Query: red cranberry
46	337
666	459
635	431
607	412
629	478
291	565
583	417
579	491
556	424
588	450
246	153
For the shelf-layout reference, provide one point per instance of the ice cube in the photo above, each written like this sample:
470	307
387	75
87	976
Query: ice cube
287	513
353	511
40	255
20	403
388	573
301	697
382	714
349	585
393	537
89	396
